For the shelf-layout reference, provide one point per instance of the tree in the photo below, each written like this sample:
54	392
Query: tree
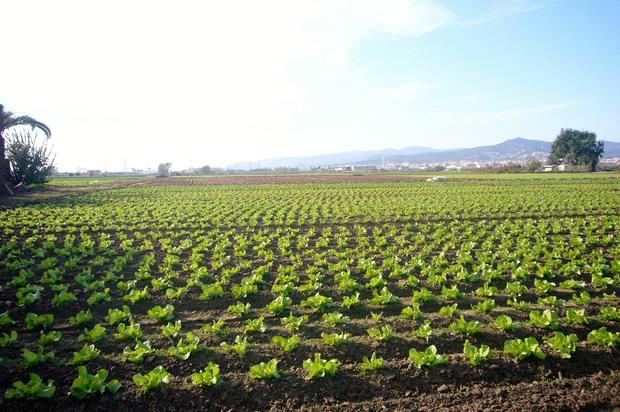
577	147
7	121
533	165
204	170
163	170
31	161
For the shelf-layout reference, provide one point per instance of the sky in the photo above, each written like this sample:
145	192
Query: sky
131	84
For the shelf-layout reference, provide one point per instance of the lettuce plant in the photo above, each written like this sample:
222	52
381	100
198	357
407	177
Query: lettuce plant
503	322
384	297
240	346
265	370
152	380
382	334
116	316
412	312
85	354
240	309
603	337
34	321
546	319
294	323
132	331
86	384
448	310
171	330
319	368
522	348
35	358
50	337
256	325
317	302
610	313
427	358
159	314
583	298
209	376
81	318
464	327
486	306
563	345
476	355
33	389
137	295
217	327
185	348
93	335
334	318
576	316
279	304
423	296
287	344
141	351
62	298
372	364
5	320
8	339
351	301
334	339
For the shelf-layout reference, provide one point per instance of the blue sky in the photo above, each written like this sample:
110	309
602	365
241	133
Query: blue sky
133	84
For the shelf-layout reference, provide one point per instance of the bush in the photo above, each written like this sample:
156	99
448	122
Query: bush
163	170
30	158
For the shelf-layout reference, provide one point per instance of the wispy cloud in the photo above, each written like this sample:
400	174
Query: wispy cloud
519	112
506	8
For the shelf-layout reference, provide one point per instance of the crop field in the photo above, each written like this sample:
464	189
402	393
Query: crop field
362	294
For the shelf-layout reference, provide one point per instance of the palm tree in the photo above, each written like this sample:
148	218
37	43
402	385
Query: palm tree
8	120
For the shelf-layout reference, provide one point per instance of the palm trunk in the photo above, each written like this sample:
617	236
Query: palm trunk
5	171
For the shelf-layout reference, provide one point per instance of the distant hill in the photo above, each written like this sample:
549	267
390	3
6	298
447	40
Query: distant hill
306	162
612	149
512	149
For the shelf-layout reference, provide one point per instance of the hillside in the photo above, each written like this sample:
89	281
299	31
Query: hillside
513	149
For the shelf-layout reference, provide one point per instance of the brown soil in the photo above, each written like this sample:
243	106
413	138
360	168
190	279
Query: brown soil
496	386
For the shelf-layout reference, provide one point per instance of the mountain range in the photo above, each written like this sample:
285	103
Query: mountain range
512	149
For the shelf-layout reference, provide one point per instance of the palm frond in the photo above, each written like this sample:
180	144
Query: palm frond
26	121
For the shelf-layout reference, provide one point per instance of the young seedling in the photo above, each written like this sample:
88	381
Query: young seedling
382	334
287	344
475	355
522	348
334	339
209	376
294	323
319	368
86	384
33	389
465	327
152	380
373	364
265	370
603	337
563	345
427	358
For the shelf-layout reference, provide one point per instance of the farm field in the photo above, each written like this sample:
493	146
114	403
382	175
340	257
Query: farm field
321	292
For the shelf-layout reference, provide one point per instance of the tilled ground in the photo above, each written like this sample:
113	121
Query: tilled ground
496	386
